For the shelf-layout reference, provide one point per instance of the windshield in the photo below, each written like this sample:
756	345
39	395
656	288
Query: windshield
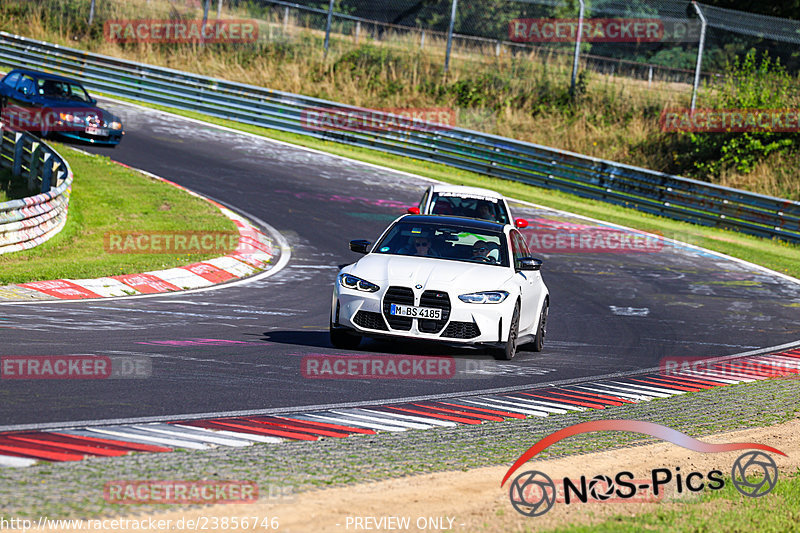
471	206
445	242
62	90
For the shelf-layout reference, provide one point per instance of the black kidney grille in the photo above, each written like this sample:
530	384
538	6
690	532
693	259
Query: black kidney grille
402	296
461	330
435	300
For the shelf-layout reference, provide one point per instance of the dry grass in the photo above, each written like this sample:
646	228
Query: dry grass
523	97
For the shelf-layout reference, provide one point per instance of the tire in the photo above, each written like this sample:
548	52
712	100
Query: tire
507	352
343	339
541	330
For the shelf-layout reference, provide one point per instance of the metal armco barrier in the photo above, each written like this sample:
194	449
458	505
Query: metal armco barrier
30	221
646	190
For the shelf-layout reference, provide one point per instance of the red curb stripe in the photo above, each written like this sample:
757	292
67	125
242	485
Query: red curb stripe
561	400
288	425
251	429
491	418
678	381
434	415
736	370
666	385
349	429
38	451
111	443
584	396
498	412
599	395
81	448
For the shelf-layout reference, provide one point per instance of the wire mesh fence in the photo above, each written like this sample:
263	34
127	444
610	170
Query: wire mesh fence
652	40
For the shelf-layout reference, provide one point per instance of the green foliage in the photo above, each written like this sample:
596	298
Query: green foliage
750	84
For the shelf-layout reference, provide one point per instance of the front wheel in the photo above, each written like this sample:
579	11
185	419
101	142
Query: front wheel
541	330
343	339
509	350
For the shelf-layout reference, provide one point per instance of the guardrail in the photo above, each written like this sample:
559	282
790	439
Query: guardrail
589	177
30	221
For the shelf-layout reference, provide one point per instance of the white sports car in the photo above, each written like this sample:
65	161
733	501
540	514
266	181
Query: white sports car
461	201
448	279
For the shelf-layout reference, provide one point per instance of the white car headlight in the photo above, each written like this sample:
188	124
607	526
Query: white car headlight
348	281
115	125
487	297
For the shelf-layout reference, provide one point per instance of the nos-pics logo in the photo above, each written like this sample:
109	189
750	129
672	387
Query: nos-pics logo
533	493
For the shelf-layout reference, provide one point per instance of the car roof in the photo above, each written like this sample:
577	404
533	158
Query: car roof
461	222
43	75
463	189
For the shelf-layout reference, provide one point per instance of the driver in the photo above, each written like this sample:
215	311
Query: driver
421	245
482	251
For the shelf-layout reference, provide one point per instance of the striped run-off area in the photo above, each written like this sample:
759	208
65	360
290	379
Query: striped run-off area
23	448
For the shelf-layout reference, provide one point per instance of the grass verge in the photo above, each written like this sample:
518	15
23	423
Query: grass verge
774	254
107	197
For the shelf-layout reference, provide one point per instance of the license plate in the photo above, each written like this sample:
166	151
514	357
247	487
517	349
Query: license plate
96	131
415	312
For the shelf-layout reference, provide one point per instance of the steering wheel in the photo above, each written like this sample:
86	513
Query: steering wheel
483	258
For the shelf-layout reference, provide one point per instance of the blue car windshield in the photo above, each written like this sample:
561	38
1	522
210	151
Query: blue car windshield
62	90
445	242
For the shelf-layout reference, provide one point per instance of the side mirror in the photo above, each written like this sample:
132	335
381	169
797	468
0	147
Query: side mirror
359	246
521	223
413	210
93	101
530	263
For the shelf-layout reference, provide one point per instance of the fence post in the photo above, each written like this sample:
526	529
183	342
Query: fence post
47	171
19	147
577	49
91	13
453	10
422	39
699	52
33	165
497	48
650	76
358	30
328	26
206	5
285	20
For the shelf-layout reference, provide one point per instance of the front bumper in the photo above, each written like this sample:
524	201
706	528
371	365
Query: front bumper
112	139
368	315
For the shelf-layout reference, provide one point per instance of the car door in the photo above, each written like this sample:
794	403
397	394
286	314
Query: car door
528	281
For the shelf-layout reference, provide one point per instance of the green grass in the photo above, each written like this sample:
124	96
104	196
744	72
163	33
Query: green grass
107	197
771	253
722	510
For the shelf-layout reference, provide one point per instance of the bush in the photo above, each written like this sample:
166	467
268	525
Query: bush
749	84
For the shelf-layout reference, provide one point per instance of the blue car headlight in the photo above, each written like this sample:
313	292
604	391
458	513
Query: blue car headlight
348	281
487	297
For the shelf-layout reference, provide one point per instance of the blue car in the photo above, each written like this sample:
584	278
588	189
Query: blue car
52	105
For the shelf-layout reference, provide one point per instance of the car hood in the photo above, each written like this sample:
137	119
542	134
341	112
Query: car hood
431	273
